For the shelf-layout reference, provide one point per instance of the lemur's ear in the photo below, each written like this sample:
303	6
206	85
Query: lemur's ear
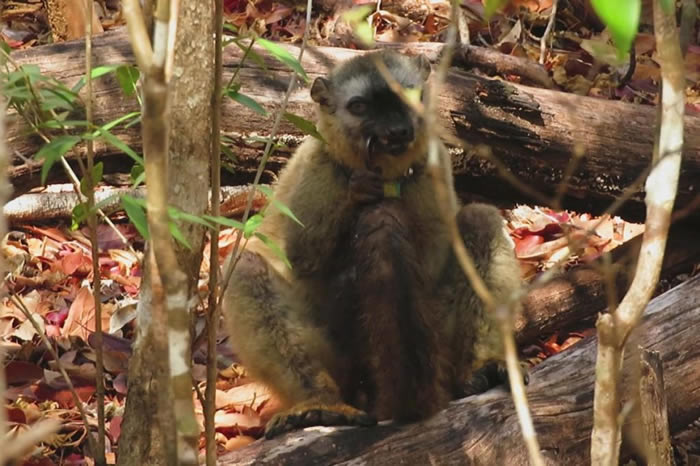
321	94
423	65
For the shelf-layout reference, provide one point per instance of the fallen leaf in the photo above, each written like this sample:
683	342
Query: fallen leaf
229	421
76	263
26	330
239	441
251	394
20	372
81	315
115	428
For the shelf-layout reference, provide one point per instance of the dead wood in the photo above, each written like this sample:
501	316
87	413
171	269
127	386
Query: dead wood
68	19
47	206
534	132
654	412
483	430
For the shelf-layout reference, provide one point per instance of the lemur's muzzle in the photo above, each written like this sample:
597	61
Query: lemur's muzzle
394	140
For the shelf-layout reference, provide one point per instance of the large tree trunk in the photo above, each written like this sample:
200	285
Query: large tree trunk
188	181
534	132
484	430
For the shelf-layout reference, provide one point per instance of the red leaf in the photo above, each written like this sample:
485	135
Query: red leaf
522	246
64	397
119	383
16	415
115	428
43	461
75	263
81	316
57	317
19	372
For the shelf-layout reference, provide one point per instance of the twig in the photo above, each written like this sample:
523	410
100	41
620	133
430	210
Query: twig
661	187
548	30
141	41
64	162
235	255
213	314
155	130
437	162
4	269
92	225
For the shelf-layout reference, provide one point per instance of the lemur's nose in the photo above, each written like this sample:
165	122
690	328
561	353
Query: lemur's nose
400	133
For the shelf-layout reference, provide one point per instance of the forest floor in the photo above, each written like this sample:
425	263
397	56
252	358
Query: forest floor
51	263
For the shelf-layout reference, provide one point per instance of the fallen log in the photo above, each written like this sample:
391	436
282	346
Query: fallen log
52	206
568	300
532	131
483	430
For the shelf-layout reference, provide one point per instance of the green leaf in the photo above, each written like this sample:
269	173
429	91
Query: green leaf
52	151
252	224
78	215
355	15
252	54
226	150
279	205
55	124
127	76
365	33
33	72
95	73
112	140
275	248
492	6
97	171
109	125
177	234
604	51
264	140
303	124
136	212
227	222
136	120
177	214
247	101
231	28
284	57
356	18
138	174
622	19
5	47
53	98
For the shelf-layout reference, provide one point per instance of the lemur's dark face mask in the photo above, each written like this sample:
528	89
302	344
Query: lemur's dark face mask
389	129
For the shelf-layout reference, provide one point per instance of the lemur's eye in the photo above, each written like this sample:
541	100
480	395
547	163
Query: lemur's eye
357	107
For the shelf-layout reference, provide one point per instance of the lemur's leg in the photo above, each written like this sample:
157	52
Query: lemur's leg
284	351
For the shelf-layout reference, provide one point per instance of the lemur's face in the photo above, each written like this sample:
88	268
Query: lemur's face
377	122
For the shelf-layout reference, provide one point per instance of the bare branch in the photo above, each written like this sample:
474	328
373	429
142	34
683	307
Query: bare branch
92	225
661	187
213	314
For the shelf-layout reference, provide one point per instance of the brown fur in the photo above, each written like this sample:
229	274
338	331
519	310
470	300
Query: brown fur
375	311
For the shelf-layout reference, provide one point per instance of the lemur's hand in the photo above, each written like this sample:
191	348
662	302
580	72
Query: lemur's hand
366	187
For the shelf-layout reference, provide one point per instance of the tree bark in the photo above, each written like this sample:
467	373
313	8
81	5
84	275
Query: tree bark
483	430
188	189
534	132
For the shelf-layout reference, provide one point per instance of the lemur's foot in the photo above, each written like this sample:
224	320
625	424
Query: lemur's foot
309	414
489	376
